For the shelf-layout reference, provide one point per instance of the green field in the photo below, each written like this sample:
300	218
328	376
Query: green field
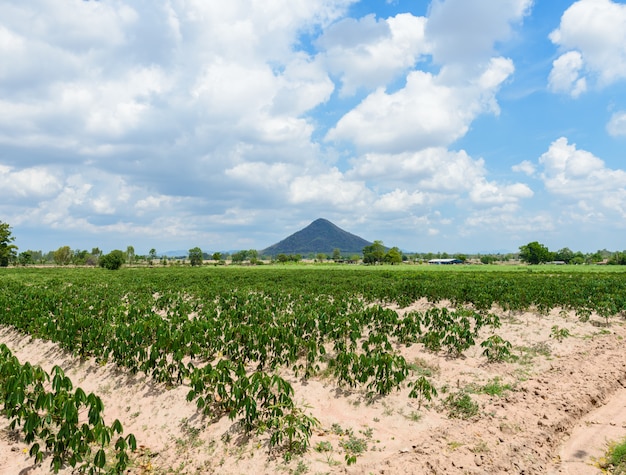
227	332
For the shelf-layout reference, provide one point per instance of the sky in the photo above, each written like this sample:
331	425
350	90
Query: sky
435	126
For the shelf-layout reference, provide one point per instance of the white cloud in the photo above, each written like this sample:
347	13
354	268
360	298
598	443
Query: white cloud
593	32
400	201
582	178
330	188
565	74
526	167
434	169
494	194
37	182
370	53
465	31
617	124
425	113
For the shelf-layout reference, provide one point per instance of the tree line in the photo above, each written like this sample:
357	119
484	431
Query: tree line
376	253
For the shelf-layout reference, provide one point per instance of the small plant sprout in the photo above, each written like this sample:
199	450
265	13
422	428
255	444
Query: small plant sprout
559	334
422	390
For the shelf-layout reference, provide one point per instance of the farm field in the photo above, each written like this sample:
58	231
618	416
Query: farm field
312	369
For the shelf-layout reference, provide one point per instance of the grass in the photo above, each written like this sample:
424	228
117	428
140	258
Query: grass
495	388
461	406
614	461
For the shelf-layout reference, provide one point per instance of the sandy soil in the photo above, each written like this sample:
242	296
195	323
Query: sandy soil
566	399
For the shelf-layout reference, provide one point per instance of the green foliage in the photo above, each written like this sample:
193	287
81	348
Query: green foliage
113	260
461	406
7	250
559	334
535	253
50	422
496	349
615	459
63	256
422	390
195	256
247	325
374	253
495	388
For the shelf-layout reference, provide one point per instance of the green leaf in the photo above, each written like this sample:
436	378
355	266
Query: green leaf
100	459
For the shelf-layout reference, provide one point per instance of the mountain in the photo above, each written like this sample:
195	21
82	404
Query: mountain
321	236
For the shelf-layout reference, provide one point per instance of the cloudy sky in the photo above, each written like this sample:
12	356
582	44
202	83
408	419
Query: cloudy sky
443	125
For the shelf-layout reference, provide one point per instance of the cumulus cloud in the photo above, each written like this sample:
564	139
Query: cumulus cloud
526	167
465	31
593	34
617	124
330	188
565	74
371	52
580	177
425	113
37	182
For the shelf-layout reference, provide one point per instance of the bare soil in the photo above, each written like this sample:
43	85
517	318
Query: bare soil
565	400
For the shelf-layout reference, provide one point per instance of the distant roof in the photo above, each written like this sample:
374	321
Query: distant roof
445	261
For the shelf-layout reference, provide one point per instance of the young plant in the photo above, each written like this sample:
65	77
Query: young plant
559	334
461	406
422	390
496	349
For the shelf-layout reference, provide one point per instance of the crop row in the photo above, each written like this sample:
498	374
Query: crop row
57	420
229	333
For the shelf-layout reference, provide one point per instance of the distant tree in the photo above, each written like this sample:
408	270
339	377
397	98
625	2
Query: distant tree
113	260
79	258
253	256
565	255
195	256
535	253
374	253
130	254
618	258
393	256
25	258
62	256
152	255
7	250
239	256
461	257
320	257
217	256
336	254
488	259
282	258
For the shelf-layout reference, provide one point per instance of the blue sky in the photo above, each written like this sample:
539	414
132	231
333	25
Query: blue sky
445	125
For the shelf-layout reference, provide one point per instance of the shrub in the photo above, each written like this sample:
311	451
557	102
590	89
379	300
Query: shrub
113	260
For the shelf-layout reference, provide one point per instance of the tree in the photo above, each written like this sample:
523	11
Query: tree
217	256
113	260
25	258
393	256
130	254
62	256
320	257
374	253
7	250
336	254
239	256
535	253
195	256
152	255
565	255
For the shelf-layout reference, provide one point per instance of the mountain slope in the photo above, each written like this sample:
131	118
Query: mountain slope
321	236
